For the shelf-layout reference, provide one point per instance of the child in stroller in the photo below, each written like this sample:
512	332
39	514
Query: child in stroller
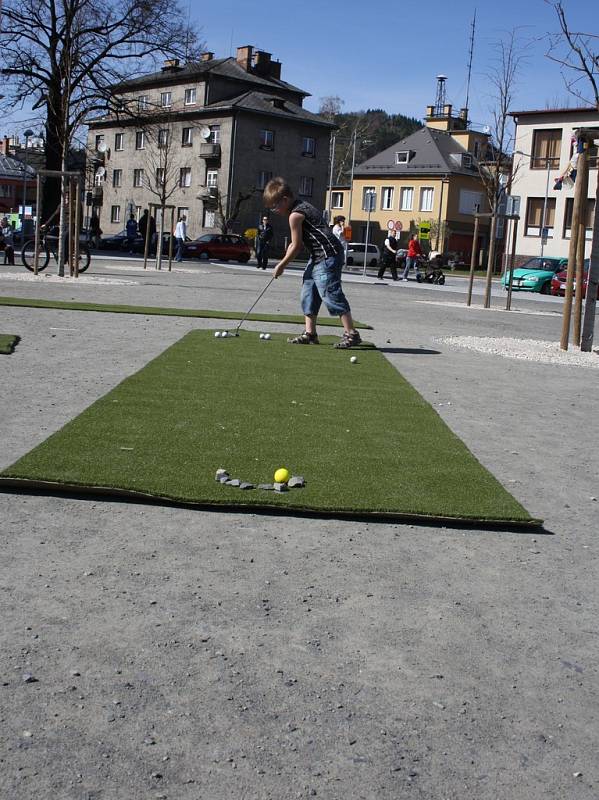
431	270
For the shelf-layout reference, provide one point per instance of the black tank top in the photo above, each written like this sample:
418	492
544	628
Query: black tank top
319	240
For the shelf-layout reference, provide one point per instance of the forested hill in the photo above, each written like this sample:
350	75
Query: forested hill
375	131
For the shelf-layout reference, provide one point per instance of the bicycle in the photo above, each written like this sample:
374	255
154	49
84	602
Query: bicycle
49	246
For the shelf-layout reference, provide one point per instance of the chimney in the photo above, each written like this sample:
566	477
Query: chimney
244	57
275	70
171	65
262	63
207	56
5	146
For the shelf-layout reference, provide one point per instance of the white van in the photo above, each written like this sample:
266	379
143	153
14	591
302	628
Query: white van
355	254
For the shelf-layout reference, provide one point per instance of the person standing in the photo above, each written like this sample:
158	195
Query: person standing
389	256
414	253
263	240
180	237
7	241
322	276
95	230
131	230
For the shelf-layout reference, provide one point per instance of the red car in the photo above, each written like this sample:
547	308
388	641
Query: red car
558	283
219	246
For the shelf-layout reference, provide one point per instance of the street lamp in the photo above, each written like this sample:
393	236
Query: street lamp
548	161
353	164
26	134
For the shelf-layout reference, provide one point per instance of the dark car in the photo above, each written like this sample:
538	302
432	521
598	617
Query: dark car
558	284
119	241
219	246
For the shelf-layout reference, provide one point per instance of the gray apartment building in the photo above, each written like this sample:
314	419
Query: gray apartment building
211	131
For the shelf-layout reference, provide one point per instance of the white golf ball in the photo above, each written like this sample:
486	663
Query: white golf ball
267	335
217	334
354	359
263	336
224	334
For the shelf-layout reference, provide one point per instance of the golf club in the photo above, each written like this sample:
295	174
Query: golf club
236	331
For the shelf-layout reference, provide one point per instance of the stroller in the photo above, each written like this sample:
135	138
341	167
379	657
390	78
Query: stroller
431	271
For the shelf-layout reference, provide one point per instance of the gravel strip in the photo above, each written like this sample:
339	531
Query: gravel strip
525	349
66	279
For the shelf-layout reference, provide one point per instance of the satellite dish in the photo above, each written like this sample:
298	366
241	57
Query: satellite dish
205	132
101	148
100	172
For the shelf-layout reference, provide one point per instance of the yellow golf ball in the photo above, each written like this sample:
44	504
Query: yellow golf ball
282	475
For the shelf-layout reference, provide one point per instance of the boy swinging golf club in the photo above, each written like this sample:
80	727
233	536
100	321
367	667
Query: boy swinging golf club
322	276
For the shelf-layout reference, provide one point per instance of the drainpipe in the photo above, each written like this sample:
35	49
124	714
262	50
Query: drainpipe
231	165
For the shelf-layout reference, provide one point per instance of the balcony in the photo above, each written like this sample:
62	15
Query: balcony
209	150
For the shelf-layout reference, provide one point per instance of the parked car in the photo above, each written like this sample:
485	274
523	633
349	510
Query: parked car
534	275
355	254
219	246
558	282
119	241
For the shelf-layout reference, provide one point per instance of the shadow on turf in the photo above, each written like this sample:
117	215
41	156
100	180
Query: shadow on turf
127	498
410	351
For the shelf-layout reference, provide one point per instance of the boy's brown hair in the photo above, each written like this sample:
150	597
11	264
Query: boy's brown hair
275	190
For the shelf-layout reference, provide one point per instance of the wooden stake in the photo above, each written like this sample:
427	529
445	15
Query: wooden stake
170	241
491	260
36	253
508	302
147	242
579	204
473	260
77	223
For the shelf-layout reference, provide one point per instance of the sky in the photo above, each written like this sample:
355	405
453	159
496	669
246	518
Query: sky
387	55
379	54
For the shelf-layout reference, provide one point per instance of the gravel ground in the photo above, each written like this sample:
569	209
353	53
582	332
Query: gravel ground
183	655
525	349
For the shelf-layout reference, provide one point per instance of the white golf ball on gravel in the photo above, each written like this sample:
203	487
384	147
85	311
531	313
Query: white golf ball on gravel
354	359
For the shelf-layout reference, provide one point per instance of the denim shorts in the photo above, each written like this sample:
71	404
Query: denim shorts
322	283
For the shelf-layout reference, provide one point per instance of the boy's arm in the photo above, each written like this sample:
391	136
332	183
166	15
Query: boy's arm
295	245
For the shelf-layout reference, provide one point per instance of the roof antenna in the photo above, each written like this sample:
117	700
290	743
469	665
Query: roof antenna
473	26
441	97
187	32
231	43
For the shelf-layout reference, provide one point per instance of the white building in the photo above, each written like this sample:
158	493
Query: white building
543	150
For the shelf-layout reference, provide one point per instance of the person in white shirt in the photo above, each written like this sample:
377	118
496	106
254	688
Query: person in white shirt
180	236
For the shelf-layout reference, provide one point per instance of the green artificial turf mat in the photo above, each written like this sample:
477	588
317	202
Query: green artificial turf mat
360	434
73	305
8	342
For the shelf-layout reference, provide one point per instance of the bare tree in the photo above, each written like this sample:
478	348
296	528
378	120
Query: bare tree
65	55
226	221
578	55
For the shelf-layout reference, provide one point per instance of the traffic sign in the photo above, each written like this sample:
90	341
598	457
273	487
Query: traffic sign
398	225
424	230
391	225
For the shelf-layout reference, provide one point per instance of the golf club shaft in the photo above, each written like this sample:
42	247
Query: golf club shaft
253	305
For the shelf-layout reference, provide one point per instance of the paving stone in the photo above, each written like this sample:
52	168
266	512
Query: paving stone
247	485
296	482
266	486
233	482
280	487
220	473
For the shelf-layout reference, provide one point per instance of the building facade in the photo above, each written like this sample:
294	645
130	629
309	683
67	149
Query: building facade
213	133
543	152
430	177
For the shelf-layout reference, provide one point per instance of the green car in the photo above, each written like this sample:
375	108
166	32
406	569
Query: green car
535	274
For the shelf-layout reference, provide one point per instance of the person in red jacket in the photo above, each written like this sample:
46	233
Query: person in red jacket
414	253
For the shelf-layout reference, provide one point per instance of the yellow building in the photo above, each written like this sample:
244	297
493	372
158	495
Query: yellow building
430	177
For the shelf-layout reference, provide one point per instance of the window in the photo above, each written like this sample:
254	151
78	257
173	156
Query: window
306	186
138	177
466	160
308	146
368	198
159	176
187	137
546	145
166	99
209	218
593	152
337	200
118	141
140	140
476	149
212	177
406	201
115	213
402	157
534	216
267	140
185	177
426	199
263	179
183	211
590	212
214	134
142	102
138	213
99	140
163	137
117	177
190	97
470	202
100	177
387	198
